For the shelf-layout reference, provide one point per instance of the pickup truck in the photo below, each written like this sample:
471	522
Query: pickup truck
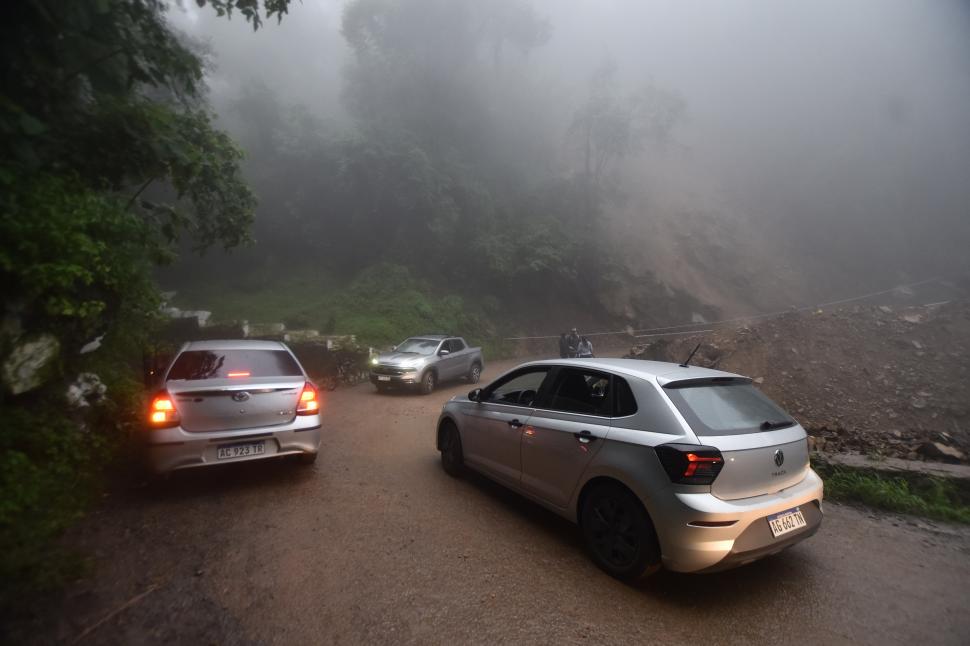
424	361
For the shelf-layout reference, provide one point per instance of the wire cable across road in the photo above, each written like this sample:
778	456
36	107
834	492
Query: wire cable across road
666	330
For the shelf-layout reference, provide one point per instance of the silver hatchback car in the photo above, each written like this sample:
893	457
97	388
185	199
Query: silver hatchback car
227	401
659	464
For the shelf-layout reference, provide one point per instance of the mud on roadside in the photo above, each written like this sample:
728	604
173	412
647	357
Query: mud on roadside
878	380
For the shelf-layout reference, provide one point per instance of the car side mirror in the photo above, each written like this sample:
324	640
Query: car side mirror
443	352
393	348
475	395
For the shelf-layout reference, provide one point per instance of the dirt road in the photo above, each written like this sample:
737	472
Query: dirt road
375	544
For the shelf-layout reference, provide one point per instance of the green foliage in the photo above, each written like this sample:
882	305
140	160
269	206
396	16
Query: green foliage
249	9
72	256
381	305
108	156
924	496
99	102
385	304
51	470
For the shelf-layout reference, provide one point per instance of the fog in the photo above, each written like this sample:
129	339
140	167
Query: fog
802	149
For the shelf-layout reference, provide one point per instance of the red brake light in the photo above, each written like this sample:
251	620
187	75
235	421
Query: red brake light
309	404
700	463
689	463
162	413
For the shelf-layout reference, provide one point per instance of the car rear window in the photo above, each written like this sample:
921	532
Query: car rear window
194	365
726	408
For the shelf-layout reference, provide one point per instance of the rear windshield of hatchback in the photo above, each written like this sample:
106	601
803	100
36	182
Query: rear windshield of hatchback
197	365
730	407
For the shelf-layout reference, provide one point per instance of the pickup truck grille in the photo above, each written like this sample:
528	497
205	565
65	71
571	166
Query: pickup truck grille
389	370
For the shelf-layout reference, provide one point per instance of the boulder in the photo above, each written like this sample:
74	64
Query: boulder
940	451
86	390
92	345
31	363
297	336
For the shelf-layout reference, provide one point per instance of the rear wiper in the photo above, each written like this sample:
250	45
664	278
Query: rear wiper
770	426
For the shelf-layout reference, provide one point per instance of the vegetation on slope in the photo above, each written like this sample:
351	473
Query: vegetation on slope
108	159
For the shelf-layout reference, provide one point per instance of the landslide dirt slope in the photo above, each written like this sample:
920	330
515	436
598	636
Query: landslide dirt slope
875	379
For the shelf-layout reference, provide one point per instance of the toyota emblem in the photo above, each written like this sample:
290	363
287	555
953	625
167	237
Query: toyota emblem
779	458
242	396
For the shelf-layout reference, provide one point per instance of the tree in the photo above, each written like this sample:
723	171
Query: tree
100	100
101	104
610	127
419	65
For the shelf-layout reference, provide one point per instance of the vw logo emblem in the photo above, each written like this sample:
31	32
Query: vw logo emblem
779	458
242	396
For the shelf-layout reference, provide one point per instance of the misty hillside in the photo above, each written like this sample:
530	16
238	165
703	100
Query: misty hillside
522	166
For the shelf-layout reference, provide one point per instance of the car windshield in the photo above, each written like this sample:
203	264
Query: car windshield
418	346
194	365
729	408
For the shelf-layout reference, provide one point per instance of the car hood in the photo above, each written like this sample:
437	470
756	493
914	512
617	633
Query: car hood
398	358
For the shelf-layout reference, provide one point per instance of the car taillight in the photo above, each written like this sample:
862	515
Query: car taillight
309	404
689	463
162	413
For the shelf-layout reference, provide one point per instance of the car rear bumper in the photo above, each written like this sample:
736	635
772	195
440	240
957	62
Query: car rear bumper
687	547
171	449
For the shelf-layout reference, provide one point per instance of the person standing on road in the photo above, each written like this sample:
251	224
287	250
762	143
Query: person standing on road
585	349
572	341
563	346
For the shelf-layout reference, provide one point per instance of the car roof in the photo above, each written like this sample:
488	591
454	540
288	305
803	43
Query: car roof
234	344
662	371
431	337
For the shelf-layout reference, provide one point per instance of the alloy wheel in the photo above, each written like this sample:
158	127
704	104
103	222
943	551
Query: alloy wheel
614	534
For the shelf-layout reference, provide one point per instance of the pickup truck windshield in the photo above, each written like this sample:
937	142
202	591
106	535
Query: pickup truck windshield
418	346
732	408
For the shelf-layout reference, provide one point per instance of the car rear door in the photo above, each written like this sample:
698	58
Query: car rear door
450	364
492	433
567	429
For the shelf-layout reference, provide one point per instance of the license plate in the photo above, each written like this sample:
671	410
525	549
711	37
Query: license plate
786	521
383	378
231	451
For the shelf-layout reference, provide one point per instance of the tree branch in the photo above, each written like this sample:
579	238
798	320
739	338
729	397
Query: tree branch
96	61
139	192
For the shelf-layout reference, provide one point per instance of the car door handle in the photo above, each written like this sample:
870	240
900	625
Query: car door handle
584	437
515	423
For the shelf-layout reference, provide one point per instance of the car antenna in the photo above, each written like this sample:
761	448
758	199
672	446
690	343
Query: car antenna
690	356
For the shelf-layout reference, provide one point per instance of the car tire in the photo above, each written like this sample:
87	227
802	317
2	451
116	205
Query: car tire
619	533
428	382
475	373
307	458
452	458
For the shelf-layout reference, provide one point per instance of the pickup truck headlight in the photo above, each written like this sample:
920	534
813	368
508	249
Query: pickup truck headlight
375	361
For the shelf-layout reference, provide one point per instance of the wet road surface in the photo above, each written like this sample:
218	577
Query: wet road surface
375	544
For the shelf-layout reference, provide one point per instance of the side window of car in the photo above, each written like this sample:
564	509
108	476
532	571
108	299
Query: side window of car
581	391
519	389
456	345
624	403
